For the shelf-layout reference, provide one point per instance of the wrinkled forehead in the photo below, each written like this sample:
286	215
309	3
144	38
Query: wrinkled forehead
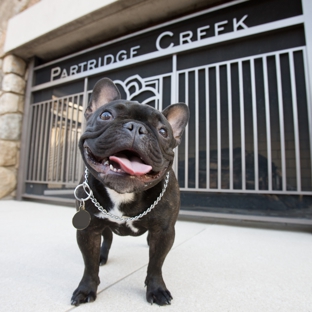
134	110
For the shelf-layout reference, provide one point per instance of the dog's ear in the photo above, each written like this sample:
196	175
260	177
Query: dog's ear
177	116
103	92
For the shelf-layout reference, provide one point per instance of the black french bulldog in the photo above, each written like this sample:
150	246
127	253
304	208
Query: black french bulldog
128	150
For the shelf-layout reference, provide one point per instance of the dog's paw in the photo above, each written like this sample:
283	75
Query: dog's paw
160	296
82	295
103	259
104	254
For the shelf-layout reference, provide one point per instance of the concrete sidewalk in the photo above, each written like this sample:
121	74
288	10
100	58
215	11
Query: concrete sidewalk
210	268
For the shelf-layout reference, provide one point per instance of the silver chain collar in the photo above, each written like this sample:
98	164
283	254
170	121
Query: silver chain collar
90	196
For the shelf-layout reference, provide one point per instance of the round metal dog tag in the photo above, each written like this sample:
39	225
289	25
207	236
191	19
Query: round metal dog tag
81	220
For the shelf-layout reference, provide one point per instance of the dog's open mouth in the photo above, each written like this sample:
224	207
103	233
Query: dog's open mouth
122	162
129	163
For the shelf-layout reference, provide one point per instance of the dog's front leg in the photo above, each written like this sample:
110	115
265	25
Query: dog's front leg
160	242
89	243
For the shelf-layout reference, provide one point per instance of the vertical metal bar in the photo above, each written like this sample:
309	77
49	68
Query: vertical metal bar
174	89
58	164
54	178
70	139
186	134
40	151
242	122
196	130
76	152
27	120
160	91
174	99
229	92
176	158
49	171
65	146
218	95
46	142
36	143
295	116
207	130
255	124
281	118
84	103
80	167
267	120
37	123
308	82
28	165
30	175
307	51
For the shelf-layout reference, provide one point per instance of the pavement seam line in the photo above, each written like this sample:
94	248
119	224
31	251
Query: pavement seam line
189	239
111	285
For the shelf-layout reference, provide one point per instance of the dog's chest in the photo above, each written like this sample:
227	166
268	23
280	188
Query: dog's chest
119	226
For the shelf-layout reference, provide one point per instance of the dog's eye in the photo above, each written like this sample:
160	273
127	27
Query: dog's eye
106	116
163	132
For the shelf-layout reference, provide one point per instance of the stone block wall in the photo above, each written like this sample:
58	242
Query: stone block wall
13	77
12	88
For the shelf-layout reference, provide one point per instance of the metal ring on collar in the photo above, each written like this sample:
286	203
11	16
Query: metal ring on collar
85	187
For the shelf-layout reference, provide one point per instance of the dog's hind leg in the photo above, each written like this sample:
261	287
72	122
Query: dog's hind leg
106	245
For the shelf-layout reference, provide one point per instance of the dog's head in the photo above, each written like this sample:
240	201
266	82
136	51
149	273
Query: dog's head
128	146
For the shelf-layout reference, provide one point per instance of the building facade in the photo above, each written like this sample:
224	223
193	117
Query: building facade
242	67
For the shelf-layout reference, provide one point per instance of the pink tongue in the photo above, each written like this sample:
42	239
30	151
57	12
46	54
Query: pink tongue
133	166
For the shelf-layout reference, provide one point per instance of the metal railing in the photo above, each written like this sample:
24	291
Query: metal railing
257	134
249	132
55	130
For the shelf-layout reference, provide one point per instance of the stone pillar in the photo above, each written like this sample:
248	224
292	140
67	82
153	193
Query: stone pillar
11	114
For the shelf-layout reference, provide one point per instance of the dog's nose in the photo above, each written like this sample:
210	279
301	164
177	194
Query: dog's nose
135	128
